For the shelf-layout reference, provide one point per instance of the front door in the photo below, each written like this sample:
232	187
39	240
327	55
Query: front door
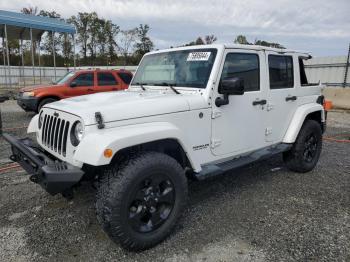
82	84
239	127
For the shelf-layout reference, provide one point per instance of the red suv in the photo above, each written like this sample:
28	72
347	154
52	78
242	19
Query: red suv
75	83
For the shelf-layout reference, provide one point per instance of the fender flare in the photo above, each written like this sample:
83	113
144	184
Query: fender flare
298	120
33	124
91	148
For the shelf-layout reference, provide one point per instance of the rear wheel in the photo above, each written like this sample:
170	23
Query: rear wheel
45	101
306	150
139	201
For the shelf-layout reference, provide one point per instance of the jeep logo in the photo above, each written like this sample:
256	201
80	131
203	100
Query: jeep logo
55	114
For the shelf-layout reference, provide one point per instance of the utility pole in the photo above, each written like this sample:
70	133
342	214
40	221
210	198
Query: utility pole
2	99
346	68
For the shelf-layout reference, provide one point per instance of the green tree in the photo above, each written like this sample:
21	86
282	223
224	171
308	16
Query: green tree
47	37
144	44
111	31
269	44
93	31
81	22
198	41
241	39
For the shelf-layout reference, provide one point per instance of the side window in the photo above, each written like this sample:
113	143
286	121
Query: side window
106	79
85	79
126	77
245	66
303	77
281	72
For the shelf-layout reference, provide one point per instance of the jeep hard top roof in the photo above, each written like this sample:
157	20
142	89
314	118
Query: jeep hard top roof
237	46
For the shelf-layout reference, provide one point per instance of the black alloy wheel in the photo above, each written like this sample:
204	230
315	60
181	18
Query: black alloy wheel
151	203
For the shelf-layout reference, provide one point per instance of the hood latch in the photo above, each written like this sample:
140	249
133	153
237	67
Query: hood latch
99	120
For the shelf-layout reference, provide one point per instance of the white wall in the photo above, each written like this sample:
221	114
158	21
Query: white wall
20	75
329	70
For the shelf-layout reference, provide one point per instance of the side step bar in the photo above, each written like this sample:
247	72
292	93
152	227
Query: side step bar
211	170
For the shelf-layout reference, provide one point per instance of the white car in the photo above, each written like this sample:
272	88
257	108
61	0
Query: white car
190	112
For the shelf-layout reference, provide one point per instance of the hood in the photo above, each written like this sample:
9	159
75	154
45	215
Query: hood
125	105
37	87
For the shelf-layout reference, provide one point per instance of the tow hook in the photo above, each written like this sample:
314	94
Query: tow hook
13	158
34	178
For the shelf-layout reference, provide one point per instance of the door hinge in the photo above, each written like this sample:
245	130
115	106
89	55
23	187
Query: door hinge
215	143
268	131
216	113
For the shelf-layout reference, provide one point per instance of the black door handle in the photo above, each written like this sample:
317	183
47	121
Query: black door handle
259	102
90	89
291	98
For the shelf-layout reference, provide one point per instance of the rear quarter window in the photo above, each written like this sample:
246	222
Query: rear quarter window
126	77
106	79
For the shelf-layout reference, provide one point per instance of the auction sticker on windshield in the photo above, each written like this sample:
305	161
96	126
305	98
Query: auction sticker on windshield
198	56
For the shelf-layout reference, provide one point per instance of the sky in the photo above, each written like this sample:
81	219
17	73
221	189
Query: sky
320	27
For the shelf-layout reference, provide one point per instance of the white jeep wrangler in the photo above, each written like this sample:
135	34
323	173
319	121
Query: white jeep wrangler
190	112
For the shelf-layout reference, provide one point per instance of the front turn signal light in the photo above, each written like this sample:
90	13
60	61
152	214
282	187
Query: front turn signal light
108	153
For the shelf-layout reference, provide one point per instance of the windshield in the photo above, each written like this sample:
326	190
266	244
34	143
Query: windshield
65	78
185	68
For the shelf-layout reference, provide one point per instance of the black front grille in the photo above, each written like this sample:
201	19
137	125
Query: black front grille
54	133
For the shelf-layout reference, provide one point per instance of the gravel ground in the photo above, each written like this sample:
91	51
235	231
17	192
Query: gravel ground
262	212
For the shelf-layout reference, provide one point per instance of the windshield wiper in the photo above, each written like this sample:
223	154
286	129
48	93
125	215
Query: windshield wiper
141	85
171	87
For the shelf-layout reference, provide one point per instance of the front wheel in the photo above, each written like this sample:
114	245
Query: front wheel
140	200
306	150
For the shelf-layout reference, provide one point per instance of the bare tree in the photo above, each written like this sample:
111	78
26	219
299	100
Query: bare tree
127	43
31	10
210	39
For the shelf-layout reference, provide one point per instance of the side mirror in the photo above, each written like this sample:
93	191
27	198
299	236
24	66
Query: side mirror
232	86
229	86
73	84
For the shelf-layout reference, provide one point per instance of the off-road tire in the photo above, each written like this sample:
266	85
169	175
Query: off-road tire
294	158
44	102
115	187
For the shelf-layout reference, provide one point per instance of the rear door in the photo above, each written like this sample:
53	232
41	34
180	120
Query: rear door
81	84
107	81
282	97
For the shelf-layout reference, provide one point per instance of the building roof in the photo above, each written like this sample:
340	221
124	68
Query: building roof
18	25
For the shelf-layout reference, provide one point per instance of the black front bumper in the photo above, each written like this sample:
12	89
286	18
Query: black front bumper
52	174
28	103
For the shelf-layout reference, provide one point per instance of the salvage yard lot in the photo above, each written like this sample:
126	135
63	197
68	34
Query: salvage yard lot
262	212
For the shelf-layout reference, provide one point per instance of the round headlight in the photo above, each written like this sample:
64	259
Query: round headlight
77	133
41	119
